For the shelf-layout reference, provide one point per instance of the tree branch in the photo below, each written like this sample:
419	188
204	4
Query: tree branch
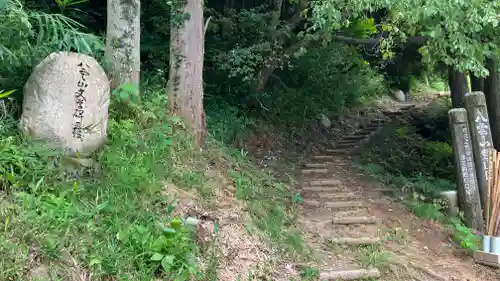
419	40
206	26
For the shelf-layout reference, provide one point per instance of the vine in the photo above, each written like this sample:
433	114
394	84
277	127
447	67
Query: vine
177	13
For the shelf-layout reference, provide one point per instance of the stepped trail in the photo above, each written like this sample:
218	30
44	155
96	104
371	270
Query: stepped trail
358	233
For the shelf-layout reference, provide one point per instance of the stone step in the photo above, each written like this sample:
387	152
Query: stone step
323	182
314	171
349	275
345	204
355	220
358	241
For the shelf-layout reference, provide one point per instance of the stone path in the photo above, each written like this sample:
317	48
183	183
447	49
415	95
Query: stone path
337	214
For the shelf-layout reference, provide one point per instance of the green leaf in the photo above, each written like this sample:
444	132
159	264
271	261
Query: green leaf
157	257
167	262
158	244
124	95
168	230
176	224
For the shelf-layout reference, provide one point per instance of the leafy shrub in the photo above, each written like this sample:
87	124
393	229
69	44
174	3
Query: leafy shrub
324	80
400	150
227	123
28	35
432	123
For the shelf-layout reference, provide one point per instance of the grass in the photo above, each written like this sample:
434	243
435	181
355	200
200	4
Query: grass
372	256
116	222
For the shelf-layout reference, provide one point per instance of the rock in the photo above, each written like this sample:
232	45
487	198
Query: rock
325	121
66	103
399	95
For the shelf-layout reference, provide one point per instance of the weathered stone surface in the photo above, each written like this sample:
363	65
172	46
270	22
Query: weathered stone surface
66	103
467	187
399	95
325	121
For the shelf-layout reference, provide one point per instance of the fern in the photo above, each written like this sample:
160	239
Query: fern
26	36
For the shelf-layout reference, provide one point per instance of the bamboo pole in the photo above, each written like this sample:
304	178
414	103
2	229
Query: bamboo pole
487	211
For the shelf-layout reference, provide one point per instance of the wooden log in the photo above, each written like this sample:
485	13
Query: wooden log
345	204
355	220
356	241
323	189
482	142
347	275
467	189
337	151
329	182
316	165
324	157
314	171
354	137
338	196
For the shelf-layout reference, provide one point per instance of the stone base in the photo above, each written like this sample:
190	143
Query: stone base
488	259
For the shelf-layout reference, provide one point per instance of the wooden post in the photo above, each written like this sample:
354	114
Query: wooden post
481	141
467	189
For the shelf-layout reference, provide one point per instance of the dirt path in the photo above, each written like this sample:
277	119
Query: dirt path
357	233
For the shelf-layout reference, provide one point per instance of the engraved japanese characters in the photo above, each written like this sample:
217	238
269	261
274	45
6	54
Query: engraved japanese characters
66	103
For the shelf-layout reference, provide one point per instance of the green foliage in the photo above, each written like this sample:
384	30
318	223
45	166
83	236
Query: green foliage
400	150
227	123
450	40
309	274
432	122
371	256
427	210
173	250
27	36
343	80
116	221
464	236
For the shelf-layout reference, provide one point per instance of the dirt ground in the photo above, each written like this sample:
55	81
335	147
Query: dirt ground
413	249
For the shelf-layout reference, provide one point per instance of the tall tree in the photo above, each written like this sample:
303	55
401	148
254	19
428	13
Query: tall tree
458	86
492	94
476	83
123	42
186	64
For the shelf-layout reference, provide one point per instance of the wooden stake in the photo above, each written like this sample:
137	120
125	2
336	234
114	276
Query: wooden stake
487	211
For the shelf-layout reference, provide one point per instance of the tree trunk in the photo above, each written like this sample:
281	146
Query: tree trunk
492	94
458	86
476	83
122	54
186	66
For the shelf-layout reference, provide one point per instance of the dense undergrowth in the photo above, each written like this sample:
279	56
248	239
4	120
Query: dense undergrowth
114	218
407	154
415	156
